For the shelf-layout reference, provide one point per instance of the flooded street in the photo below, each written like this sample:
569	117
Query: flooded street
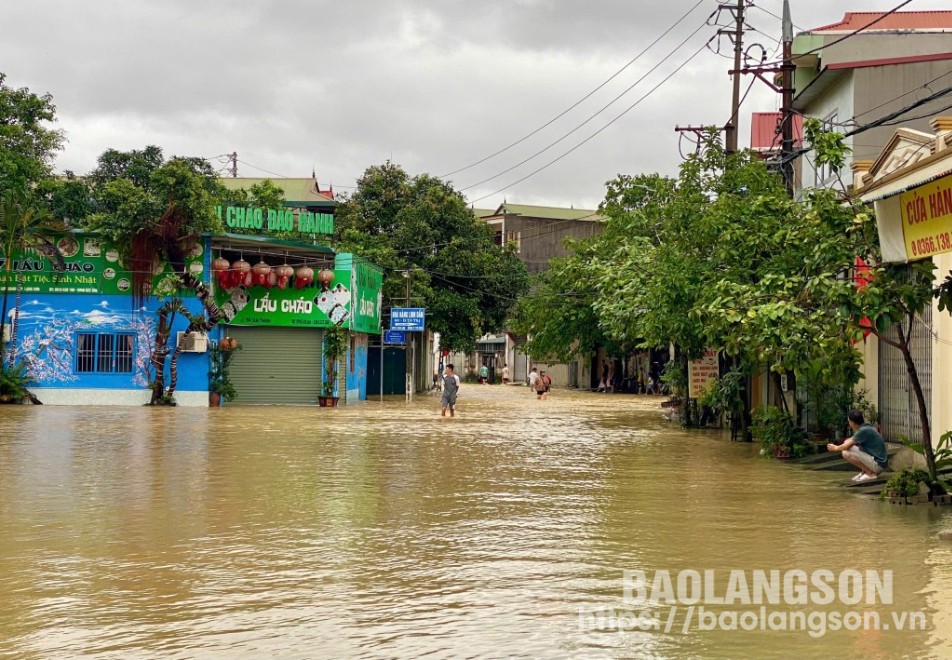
382	530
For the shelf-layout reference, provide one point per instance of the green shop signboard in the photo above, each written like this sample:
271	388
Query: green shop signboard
351	300
270	221
366	283
92	267
309	307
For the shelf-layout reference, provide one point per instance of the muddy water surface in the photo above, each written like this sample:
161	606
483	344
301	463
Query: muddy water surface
382	530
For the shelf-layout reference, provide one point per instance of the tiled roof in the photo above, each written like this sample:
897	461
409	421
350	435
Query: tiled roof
930	21
763	130
295	190
548	212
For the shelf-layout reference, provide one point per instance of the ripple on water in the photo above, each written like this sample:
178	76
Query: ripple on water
382	530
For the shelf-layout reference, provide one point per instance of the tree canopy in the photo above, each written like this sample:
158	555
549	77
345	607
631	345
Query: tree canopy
27	142
419	228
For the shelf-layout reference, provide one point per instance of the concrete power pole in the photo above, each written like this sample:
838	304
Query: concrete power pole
786	105
730	137
233	170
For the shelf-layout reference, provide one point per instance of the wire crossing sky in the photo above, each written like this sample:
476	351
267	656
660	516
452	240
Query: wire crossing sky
433	86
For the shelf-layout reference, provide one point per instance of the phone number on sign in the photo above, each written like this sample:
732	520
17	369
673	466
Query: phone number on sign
932	244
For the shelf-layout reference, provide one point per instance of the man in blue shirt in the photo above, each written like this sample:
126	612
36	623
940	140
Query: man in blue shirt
866	449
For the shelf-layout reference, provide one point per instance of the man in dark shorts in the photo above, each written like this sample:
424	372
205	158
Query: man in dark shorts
450	390
865	449
542	385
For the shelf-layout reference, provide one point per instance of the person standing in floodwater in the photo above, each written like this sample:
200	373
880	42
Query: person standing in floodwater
450	390
542	384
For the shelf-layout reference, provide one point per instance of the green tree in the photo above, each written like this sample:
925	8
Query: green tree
151	209
893	296
24	230
27	143
420	229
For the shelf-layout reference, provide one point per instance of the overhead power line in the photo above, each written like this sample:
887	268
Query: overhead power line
581	100
603	128
590	117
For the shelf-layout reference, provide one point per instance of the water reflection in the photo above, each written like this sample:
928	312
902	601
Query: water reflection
383	530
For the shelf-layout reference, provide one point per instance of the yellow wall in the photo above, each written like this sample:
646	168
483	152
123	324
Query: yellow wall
942	358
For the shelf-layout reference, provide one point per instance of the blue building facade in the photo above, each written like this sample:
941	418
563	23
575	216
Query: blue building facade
87	341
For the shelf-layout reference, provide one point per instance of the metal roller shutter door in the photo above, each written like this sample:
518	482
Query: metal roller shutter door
276	365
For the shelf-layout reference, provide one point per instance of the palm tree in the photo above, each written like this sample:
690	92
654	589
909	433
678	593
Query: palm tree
24	229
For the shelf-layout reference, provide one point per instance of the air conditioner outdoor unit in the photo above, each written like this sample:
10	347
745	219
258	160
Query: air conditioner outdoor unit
195	342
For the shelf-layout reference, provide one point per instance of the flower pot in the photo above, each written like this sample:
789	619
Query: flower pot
780	451
214	399
327	401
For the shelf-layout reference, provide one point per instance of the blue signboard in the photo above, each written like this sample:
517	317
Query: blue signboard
410	319
394	337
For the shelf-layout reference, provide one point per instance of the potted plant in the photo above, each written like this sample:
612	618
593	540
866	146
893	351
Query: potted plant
779	434
335	346
14	381
908	486
220	386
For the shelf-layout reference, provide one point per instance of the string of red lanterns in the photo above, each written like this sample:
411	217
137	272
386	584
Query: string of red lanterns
241	273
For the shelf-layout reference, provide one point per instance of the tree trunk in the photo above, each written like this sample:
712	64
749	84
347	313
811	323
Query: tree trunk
15	326
920	399
6	294
159	352
173	365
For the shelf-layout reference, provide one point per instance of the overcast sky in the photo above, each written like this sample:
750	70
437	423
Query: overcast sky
434	86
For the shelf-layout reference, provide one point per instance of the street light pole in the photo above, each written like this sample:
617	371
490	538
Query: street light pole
410	346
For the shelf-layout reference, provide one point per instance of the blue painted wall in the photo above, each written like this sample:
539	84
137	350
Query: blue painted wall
357	379
49	325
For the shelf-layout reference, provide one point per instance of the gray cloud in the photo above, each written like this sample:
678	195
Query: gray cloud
343	85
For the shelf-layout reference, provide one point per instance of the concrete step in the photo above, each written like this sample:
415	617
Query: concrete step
832	460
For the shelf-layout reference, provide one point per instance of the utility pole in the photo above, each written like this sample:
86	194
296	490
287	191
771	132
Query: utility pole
410	346
233	157
730	137
786	105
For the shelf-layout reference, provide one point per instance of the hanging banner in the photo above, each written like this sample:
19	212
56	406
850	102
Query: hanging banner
702	374
927	219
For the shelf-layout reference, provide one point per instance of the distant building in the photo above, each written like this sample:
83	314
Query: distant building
765	133
538	235
539	232
303	192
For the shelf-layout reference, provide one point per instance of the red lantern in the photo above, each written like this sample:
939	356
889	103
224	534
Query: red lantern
283	282
325	277
241	266
248	279
303	276
261	271
220	264
270	280
284	271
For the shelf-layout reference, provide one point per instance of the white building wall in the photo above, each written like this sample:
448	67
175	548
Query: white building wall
837	99
103	397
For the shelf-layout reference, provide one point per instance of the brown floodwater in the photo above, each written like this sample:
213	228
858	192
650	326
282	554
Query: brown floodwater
382	530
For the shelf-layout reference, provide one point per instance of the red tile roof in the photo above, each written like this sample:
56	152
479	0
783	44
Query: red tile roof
763	130
901	20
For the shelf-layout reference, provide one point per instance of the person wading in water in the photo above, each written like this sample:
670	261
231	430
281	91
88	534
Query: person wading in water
450	390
